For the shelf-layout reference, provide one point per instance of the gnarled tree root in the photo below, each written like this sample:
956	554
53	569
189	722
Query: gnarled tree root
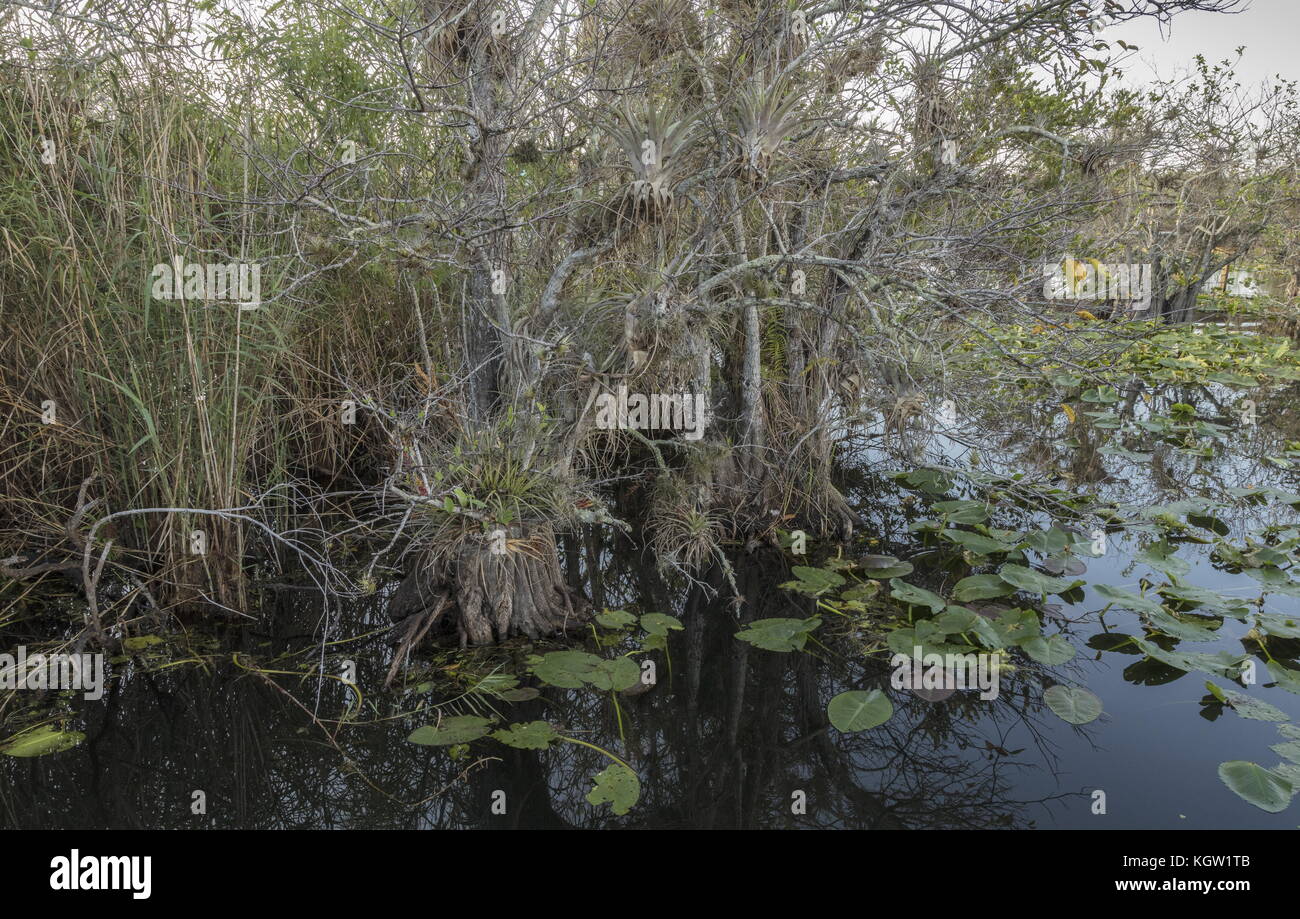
517	592
496	592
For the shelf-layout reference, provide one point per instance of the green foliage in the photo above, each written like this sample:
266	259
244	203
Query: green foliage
41	741
859	711
457	729
1073	704
779	634
617	786
535	735
1264	789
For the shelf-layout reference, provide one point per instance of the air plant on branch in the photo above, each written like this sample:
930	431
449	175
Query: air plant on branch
765	117
934	114
655	145
652	29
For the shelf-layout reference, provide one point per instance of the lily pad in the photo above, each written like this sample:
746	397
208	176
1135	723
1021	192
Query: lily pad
660	623
40	741
535	735
617	674
779	634
916	596
1035	582
1049	651
454	730
1073	704
1256	785
963	511
980	587
1126	599
615	618
813	581
1246	706
616	785
977	542
567	669
859	710
883	567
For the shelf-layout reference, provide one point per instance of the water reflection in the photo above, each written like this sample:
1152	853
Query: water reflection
732	736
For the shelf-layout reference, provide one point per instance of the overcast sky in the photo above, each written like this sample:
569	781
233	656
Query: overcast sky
1268	28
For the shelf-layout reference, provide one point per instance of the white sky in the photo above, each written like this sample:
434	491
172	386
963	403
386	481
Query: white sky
1269	29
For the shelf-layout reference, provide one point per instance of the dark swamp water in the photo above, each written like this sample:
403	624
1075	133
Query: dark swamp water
731	733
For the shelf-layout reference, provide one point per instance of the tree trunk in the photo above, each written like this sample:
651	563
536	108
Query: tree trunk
495	595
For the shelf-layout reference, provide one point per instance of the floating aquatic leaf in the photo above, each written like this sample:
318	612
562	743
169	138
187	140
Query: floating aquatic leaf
1117	449
1102	394
1209	522
1049	541
40	741
963	511
1266	556
1126	599
535	735
1251	495
1275	580
140	642
860	592
1073	704
1189	628
454	730
916	596
779	634
988	633
977	542
1239	380
932	481
660	623
1049	651
813	581
1035	581
616	785
1184	597
1255	784
617	674
1247	706
1286	678
615	618
883	567
567	669
1224	664
981	587
859	710
1017	625
1288	771
906	641
522	694
1067	565
1161	556
1289	750
1113	641
956	619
